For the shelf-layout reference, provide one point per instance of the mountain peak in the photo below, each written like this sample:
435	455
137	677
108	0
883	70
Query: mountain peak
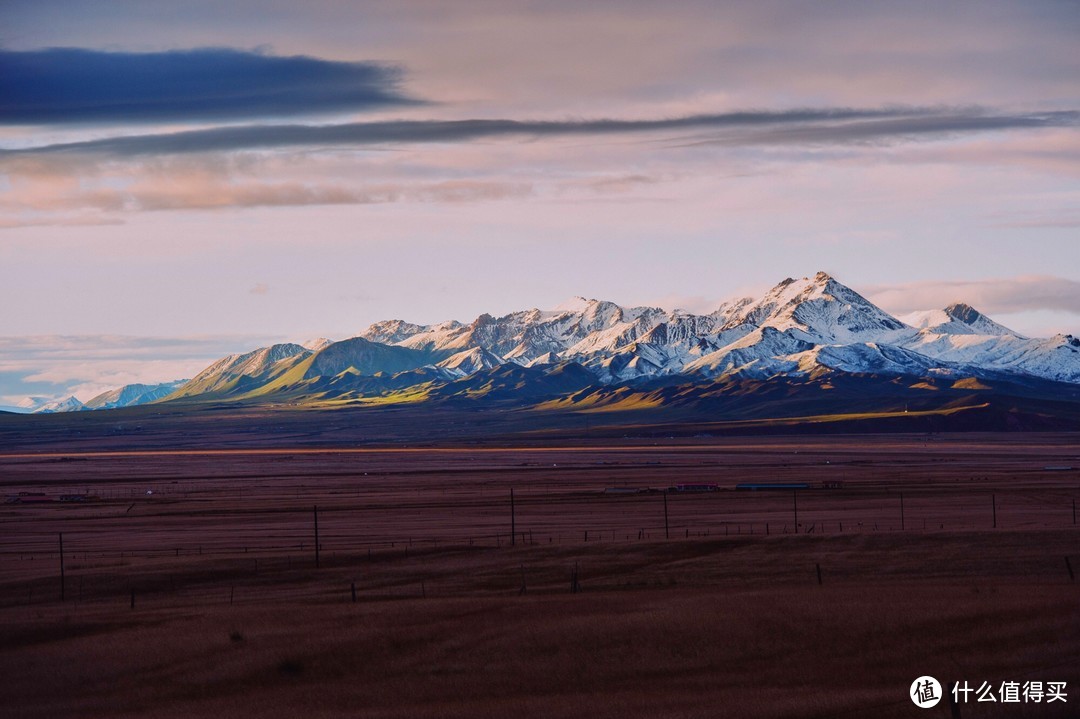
963	312
977	321
574	304
316	344
68	404
820	309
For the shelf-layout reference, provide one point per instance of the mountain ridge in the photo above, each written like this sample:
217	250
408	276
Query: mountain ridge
811	328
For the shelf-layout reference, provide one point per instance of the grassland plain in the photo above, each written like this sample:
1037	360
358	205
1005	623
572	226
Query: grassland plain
948	556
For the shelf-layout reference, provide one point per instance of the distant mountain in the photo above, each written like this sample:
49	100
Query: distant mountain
68	404
957	319
26	405
585	352
316	344
131	395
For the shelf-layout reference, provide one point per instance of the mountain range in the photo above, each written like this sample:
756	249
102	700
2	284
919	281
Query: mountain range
591	353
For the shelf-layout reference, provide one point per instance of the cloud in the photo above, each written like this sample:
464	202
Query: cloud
751	129
76	221
1005	295
86	365
1055	219
203	191
34	348
898	129
65	86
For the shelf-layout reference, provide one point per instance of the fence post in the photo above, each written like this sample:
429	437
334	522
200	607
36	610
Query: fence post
902	526
315	511
667	533
795	506
513	520
61	566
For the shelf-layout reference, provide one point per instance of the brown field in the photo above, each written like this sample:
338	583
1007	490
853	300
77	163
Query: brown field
733	608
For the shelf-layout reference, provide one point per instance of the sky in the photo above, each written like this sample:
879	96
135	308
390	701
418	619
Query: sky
180	181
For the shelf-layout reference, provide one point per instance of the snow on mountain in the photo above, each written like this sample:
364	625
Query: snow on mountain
134	394
961	335
394	331
761	352
446	337
467	362
821	310
728	311
800	327
546	358
870	357
583	327
316	344
29	404
574	305
68	404
1056	358
957	319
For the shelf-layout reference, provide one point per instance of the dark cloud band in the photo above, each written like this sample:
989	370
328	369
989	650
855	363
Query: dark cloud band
826	126
63	86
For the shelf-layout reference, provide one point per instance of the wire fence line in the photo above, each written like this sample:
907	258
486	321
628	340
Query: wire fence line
161	528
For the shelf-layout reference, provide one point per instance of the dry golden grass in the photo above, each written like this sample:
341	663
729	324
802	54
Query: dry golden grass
799	650
705	624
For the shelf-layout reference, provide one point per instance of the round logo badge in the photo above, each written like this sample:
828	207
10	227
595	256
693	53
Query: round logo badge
925	692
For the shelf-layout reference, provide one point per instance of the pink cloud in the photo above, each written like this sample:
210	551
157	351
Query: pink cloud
994	296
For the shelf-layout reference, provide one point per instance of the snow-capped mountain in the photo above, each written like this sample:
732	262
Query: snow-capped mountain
799	326
822	311
468	362
131	395
26	405
68	404
806	327
316	344
581	327
957	319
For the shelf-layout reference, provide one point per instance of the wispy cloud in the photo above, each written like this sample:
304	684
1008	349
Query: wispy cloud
76	221
86	365
996	296
802	126
65	86
1054	219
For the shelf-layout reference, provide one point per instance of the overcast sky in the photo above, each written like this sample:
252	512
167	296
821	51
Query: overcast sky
183	180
